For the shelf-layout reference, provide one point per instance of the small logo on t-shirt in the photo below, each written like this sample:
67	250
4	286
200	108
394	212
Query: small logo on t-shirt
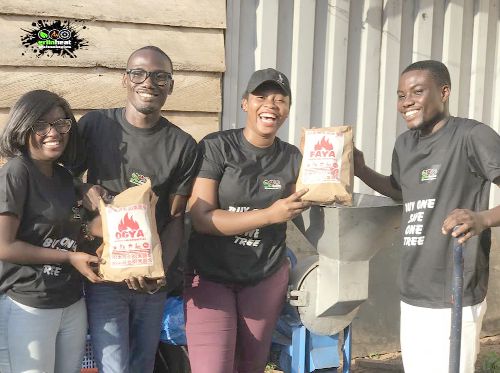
429	174
137	179
271	184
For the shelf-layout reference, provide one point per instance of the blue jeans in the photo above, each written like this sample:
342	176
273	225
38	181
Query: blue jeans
38	340
124	327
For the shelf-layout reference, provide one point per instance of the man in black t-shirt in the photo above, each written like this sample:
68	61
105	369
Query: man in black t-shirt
121	148
442	169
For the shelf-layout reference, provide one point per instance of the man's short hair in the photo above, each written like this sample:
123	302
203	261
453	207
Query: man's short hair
437	69
152	48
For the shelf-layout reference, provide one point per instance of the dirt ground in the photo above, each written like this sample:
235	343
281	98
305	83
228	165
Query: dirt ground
173	359
391	363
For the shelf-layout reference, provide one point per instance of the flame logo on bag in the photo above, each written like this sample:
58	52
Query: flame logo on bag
323	144
128	228
323	148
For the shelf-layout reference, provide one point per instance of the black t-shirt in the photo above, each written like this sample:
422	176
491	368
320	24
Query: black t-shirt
249	178
119	155
439	173
44	206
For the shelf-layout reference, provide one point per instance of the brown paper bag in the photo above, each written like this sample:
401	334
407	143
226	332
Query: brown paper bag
327	167
131	244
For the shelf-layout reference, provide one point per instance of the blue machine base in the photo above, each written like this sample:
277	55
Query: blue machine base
310	351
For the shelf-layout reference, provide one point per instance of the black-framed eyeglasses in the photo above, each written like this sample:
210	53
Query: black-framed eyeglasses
42	128
138	76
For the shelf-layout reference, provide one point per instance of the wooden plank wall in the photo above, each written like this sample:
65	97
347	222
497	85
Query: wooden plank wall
191	32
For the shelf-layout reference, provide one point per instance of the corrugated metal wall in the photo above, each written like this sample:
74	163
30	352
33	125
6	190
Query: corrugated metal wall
344	58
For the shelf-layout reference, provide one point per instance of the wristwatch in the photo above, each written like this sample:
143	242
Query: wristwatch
159	285
84	228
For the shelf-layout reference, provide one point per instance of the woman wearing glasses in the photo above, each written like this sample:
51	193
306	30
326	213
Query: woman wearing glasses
43	321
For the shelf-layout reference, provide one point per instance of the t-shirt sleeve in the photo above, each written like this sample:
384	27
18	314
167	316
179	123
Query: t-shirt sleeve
212	159
395	172
14	181
79	166
296	158
483	151
186	169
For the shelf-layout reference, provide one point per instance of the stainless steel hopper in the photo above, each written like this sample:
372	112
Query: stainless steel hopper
327	289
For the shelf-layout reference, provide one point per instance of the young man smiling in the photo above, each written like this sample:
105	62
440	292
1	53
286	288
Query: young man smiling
121	148
442	169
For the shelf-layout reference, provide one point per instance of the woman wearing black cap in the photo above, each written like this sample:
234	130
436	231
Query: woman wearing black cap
242	197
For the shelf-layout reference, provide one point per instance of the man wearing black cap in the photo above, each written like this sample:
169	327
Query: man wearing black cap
241	200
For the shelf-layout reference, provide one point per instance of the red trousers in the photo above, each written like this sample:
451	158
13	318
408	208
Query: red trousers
229	327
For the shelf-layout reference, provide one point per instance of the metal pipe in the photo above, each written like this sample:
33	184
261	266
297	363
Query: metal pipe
456	311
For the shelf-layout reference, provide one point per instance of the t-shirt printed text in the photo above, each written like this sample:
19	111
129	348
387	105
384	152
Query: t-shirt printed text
65	244
413	233
250	238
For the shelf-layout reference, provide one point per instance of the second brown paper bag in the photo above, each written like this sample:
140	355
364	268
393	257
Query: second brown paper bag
327	168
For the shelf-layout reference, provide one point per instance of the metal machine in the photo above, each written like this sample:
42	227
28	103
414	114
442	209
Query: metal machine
327	289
